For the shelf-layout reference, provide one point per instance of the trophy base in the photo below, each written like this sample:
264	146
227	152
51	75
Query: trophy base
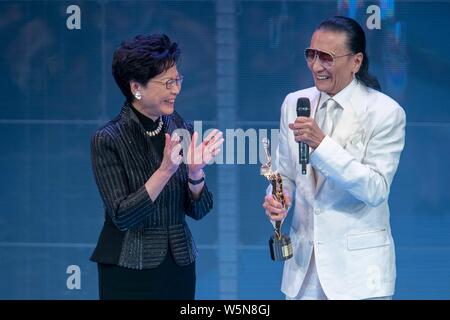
280	249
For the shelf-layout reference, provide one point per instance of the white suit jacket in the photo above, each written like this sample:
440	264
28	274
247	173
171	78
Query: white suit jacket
347	207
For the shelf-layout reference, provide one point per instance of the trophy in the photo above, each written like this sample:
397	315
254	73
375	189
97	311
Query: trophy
280	245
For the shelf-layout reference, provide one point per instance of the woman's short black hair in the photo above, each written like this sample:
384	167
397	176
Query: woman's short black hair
142	58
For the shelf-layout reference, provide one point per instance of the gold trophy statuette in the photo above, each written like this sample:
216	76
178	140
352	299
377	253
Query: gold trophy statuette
280	245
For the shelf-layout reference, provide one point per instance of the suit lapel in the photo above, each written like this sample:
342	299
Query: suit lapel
349	123
353	117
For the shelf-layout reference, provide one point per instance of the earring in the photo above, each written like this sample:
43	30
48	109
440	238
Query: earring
138	95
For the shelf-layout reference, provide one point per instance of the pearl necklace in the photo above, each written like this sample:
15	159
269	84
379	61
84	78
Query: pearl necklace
157	130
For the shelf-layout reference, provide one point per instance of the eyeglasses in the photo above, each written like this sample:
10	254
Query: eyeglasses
171	82
326	59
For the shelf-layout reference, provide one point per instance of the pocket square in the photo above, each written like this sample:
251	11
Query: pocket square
357	138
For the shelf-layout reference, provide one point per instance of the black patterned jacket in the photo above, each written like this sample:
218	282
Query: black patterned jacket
137	232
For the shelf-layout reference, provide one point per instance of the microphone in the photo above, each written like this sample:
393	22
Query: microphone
303	110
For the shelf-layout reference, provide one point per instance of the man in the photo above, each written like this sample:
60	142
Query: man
341	235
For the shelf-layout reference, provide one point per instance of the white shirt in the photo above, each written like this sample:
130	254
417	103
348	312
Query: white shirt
342	99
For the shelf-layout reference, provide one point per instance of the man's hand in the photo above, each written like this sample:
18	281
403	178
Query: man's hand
274	209
306	130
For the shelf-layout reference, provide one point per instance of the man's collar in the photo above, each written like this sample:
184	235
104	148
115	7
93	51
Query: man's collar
342	97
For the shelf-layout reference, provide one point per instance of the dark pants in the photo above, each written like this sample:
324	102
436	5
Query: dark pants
168	281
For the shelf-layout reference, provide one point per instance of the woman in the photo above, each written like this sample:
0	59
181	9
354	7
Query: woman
145	249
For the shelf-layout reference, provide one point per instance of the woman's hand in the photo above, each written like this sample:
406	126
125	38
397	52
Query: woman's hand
171	158
169	165
274	209
199	156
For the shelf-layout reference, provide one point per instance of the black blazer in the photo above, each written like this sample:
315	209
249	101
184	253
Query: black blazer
137	232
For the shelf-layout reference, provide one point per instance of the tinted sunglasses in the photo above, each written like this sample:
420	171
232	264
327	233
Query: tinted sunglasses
326	59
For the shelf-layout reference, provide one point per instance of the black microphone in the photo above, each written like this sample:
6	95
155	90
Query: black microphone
303	110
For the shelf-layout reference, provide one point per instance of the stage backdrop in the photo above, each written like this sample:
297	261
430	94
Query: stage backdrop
239	59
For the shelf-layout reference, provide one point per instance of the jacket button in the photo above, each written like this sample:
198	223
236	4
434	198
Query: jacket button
317	211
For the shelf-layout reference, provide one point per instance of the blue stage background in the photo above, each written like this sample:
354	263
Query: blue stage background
239	59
